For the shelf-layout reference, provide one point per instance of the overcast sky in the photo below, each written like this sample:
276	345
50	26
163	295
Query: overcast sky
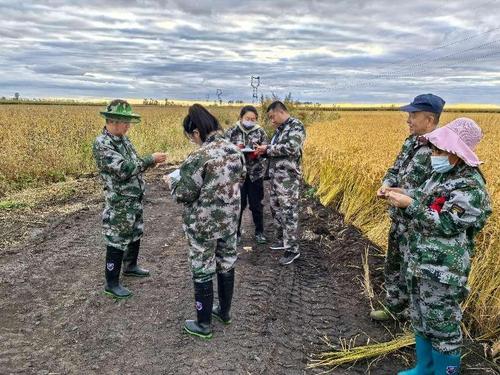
326	51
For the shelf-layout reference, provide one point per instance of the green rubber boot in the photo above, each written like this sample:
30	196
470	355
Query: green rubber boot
381	315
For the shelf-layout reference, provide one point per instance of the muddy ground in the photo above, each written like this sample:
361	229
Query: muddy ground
56	320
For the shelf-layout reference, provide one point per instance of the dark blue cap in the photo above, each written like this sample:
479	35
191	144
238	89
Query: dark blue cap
425	102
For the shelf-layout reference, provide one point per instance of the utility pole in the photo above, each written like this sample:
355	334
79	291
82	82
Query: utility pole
255	83
219	94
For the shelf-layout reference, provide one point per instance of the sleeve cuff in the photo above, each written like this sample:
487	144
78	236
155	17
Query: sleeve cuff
412	208
269	150
410	192
148	160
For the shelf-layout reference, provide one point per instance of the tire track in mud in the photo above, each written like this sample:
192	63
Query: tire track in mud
59	321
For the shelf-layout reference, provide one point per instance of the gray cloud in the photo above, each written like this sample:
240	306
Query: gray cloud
355	51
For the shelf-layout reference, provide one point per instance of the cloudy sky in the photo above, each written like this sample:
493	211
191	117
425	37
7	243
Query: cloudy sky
321	51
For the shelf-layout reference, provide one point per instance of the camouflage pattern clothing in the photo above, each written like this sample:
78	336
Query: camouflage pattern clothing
252	190
256	136
445	216
435	313
121	172
209	187
285	156
411	168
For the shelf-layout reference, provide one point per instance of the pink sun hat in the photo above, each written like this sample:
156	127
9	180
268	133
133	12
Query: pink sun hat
459	137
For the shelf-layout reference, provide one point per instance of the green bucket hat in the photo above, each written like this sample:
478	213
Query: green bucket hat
120	110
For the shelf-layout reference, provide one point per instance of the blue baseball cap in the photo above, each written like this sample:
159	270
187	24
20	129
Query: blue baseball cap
425	102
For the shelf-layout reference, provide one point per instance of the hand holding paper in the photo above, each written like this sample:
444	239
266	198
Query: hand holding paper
172	179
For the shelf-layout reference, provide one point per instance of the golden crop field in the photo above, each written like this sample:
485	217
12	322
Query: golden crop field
41	143
346	160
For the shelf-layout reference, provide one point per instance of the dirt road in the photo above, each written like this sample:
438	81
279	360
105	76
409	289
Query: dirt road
55	319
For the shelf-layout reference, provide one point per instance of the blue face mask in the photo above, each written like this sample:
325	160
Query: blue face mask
440	164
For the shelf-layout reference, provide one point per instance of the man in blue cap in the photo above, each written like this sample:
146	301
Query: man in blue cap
411	168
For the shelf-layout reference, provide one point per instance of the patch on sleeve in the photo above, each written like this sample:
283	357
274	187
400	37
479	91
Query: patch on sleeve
457	210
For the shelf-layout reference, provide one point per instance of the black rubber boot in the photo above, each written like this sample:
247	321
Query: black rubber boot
204	297
130	267
113	287
225	287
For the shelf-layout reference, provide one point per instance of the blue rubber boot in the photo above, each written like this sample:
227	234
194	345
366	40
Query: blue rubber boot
423	349
445	364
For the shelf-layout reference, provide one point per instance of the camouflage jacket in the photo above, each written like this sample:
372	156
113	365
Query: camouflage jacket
410	170
285	150
256	136
120	167
446	214
209	187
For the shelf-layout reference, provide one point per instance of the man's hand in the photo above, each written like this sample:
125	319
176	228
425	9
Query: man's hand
260	150
381	191
159	157
398	200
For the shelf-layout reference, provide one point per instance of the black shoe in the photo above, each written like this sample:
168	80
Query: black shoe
288	257
130	267
113	266
277	245
225	287
204	297
260	238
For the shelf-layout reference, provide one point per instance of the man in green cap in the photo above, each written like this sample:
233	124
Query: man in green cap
121	171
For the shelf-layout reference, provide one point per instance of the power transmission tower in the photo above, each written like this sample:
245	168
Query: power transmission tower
255	83
219	94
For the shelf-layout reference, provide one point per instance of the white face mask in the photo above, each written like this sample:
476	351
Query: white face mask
248	124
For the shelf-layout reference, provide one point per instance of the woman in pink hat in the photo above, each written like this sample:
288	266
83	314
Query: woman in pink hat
445	214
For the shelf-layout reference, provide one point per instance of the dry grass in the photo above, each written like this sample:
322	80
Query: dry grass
348	352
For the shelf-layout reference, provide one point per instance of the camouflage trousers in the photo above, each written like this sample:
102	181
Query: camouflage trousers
284	203
395	266
122	222
210	256
436	314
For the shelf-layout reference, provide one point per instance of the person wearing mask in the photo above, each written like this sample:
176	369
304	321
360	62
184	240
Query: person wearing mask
444	216
247	134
